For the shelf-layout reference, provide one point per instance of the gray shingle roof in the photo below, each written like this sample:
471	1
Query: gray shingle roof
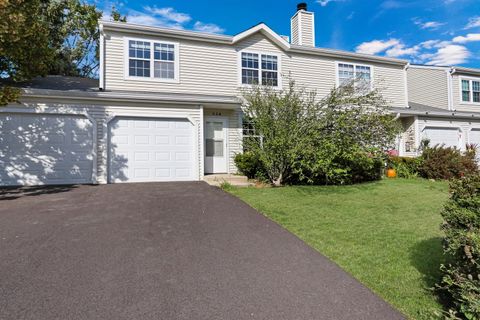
56	83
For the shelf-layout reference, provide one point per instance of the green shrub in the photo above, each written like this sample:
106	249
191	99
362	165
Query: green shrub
461	277
441	162
248	163
406	167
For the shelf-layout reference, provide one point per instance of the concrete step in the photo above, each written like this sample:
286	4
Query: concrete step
234	180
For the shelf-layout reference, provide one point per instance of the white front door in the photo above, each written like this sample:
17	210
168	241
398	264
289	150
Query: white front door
215	145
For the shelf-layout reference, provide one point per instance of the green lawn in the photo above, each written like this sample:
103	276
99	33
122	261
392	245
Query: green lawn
386	234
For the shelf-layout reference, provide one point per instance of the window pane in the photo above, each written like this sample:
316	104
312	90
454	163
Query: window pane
163	51
249	76
213	148
139	49
269	62
269	78
249	60
164	70
476	91
345	73
466	96
475	86
465	85
139	68
476	97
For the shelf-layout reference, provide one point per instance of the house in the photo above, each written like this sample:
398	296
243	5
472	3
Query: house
166	106
444	107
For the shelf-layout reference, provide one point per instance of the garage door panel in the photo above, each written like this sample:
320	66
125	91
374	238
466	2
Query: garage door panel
45	149
157	150
449	137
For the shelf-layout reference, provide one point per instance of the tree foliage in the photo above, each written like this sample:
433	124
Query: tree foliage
461	276
337	139
40	37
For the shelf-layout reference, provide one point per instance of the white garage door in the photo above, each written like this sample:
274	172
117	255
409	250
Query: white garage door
474	138
45	149
450	137
142	150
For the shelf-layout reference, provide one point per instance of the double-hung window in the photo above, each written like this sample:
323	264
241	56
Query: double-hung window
470	90
260	69
358	75
139	58
152	60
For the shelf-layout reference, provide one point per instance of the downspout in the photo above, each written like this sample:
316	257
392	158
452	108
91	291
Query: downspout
406	83
450	87
101	71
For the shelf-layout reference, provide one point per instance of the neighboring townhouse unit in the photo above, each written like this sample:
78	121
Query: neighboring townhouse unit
166	106
444	107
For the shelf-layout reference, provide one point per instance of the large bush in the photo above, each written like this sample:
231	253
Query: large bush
248	163
461	279
336	140
441	162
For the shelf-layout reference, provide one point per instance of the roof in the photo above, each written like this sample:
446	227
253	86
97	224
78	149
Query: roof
61	87
230	40
418	109
452	69
56	83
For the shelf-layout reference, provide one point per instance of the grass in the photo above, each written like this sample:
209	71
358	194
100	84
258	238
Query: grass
386	234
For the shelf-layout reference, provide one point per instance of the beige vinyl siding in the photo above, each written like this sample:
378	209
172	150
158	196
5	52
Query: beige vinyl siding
295	30
458	104
307	29
215	69
428	87
205	68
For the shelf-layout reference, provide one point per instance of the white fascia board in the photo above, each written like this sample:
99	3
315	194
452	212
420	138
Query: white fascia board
264	29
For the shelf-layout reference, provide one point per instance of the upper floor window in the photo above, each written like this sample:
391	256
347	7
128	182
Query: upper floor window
152	60
259	69
471	90
358	75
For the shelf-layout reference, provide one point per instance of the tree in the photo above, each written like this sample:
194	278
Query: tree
40	37
26	48
312	140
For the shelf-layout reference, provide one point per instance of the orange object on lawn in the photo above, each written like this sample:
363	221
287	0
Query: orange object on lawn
391	173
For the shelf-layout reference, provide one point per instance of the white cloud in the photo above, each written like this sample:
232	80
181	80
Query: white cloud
169	14
450	55
207	27
471	37
431	25
169	18
473	22
376	46
323	3
400	50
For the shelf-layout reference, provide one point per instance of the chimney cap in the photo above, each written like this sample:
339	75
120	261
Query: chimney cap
302	6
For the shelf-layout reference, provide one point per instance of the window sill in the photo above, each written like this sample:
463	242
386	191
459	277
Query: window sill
151	79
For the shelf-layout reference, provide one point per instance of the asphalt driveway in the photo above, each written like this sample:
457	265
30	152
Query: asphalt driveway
163	251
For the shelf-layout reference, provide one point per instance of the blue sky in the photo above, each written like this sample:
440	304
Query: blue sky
438	32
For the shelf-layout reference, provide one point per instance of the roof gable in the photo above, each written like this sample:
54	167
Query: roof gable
266	31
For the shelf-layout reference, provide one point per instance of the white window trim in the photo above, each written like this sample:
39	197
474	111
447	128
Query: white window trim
279	67
470	79
337	79
176	62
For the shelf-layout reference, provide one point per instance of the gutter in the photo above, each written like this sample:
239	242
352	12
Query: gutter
126	97
439	114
